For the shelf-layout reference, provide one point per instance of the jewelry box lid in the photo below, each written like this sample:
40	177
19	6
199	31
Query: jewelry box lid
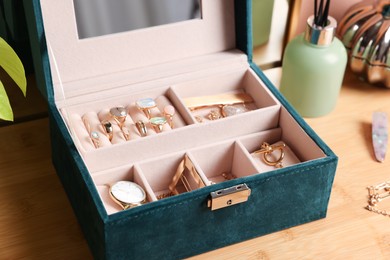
61	58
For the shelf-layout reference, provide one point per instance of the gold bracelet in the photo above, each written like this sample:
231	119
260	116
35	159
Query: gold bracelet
194	103
266	150
188	176
375	195
165	195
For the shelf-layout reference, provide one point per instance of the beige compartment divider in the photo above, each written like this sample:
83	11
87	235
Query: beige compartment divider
160	172
297	139
184	111
178	121
224	161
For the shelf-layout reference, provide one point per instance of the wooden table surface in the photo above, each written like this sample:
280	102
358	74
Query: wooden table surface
37	222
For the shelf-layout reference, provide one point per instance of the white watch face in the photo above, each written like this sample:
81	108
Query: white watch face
128	192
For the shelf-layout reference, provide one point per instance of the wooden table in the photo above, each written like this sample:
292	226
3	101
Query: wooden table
37	221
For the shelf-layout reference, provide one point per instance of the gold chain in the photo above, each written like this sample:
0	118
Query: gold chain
165	195
375	195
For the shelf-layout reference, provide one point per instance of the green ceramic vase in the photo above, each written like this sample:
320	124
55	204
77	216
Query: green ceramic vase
313	70
262	19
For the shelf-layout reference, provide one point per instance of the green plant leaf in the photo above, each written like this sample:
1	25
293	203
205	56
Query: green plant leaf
11	63
5	106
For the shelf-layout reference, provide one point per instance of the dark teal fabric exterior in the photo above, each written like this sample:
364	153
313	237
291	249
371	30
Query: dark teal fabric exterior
39	49
78	184
183	226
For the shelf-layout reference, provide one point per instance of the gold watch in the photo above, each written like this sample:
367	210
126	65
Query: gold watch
127	194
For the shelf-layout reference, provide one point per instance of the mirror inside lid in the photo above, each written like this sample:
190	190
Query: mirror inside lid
104	17
73	59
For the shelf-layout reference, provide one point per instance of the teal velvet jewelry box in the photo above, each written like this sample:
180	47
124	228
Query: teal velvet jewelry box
174	65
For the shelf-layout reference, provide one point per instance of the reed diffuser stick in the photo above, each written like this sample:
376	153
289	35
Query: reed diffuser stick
321	13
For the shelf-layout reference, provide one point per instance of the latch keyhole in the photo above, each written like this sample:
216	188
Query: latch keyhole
229	202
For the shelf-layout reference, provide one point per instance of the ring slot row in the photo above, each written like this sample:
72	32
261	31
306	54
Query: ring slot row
126	130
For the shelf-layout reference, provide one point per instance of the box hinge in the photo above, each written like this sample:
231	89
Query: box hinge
229	196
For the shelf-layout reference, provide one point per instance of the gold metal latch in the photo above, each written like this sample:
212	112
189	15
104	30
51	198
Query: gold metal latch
229	196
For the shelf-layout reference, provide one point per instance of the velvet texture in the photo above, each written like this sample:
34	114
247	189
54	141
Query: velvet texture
39	49
183	226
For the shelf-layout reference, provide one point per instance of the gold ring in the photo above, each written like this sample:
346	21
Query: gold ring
107	129
95	139
145	104
87	124
158	123
141	127
169	112
126	133
267	149
119	114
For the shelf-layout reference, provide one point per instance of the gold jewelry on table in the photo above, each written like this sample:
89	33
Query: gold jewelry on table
169	112
141	127
108	129
187	175
158	123
267	150
375	195
145	104
127	194
194	103
119	114
95	139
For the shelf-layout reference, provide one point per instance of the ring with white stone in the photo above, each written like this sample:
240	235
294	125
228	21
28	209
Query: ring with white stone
145	104
158	123
141	127
95	139
119	114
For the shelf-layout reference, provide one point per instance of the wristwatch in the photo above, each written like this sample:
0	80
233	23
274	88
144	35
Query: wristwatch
127	194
